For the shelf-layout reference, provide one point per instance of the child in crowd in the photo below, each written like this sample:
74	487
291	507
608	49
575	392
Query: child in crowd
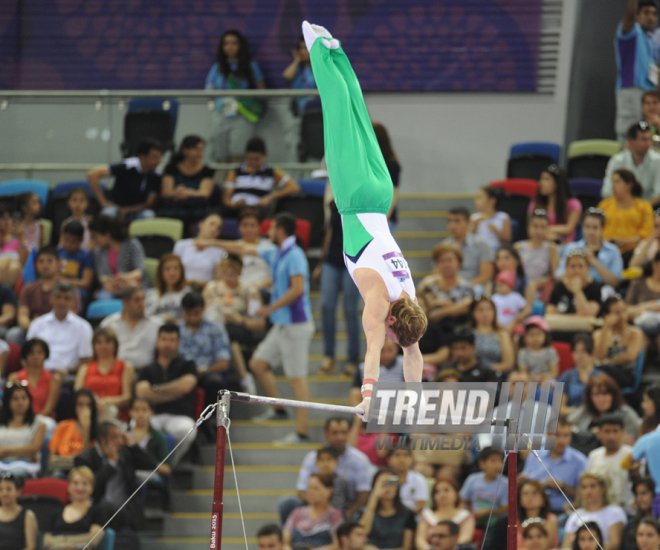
539	256
413	488
78	202
77	264
537	356
482	491
489	223
233	304
140	432
511	307
29	206
343	494
508	259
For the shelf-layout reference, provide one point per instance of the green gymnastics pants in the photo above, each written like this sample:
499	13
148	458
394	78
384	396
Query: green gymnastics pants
359	178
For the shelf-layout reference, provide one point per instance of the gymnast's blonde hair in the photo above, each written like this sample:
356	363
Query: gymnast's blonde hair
411	321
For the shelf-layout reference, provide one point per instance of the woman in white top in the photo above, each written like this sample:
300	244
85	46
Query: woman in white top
199	260
593	506
21	432
256	271
446	506
489	223
165	300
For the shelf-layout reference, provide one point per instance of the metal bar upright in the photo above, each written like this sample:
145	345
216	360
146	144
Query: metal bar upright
512	527
222	414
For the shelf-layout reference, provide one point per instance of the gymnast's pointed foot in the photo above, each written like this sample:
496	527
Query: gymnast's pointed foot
312	32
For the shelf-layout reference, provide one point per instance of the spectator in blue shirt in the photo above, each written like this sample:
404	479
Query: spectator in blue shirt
234	119
288	341
605	261
637	62
205	343
299	75
563	462
483	491
77	263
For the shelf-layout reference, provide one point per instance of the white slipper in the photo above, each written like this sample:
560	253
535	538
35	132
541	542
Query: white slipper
312	32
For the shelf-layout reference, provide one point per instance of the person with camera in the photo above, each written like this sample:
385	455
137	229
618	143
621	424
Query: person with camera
388	523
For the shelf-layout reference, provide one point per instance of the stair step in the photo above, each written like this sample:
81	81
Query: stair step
259	501
440	202
248	454
249	477
194	543
196	523
250	432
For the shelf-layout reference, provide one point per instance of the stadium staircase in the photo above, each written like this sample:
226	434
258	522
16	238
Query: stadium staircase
266	471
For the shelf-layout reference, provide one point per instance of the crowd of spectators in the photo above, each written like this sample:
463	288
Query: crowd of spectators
96	401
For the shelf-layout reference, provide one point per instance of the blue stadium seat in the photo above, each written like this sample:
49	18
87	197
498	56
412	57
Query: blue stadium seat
538	308
12	188
313	187
62	189
638	374
552	150
103	308
108	541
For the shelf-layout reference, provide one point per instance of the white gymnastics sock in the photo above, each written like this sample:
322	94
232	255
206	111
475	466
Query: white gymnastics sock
312	32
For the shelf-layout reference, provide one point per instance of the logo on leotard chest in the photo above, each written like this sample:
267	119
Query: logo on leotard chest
397	265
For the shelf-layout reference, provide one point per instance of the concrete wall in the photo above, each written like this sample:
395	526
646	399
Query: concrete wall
447	143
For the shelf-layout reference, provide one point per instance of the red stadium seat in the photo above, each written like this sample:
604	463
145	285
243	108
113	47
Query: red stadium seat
517	186
303	230
47	487
13	359
563	349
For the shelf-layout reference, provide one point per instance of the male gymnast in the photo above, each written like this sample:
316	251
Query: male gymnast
363	191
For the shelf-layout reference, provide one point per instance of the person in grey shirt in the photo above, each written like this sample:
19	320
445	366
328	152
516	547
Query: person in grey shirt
478	264
641	160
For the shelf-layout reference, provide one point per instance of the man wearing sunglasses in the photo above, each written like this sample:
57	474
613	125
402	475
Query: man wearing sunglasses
640	159
637	62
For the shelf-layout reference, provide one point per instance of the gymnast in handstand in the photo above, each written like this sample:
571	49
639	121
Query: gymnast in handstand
363	189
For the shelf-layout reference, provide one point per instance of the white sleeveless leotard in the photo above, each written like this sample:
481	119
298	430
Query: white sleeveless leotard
384	256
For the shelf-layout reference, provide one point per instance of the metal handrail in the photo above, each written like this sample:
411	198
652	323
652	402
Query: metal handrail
123	94
75	167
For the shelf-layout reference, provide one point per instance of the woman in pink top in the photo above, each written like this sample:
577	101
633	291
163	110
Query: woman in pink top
555	196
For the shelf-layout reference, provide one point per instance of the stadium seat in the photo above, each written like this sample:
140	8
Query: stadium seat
587	191
108	541
528	160
13	359
149	117
44	507
563	349
151	267
638	374
303	229
306	207
58	211
230	228
519	192
47	487
9	190
589	158
313	187
102	308
46	231
157	235
538	308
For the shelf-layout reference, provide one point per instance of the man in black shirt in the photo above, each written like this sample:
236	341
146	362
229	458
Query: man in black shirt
137	183
465	361
8	305
169	383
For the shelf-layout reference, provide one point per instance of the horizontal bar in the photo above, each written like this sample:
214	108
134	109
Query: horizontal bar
247	398
165	94
59	167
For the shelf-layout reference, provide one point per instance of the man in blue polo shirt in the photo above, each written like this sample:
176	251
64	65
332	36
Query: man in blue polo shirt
288	341
637	62
564	463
